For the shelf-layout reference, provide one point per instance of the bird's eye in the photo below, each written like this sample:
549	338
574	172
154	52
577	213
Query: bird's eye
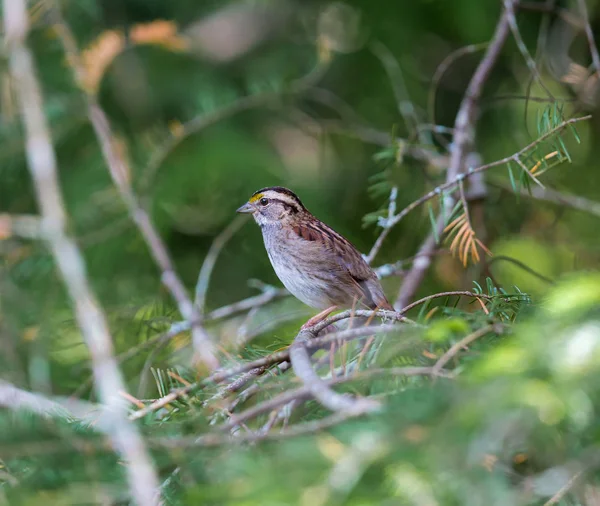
264	201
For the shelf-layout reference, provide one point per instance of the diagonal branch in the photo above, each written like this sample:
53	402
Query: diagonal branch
119	171
14	398
590	36
211	259
42	166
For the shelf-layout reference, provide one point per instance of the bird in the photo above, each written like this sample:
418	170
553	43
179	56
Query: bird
315	263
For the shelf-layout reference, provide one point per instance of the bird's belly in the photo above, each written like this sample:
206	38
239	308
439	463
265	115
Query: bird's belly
303	285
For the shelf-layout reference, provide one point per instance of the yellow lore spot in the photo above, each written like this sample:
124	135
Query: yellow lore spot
254	198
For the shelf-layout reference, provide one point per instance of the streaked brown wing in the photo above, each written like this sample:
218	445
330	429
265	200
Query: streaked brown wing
347	256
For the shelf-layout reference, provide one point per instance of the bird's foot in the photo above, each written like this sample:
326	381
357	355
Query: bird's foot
318	317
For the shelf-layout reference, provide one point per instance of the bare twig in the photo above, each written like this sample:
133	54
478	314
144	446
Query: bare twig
461	142
509	13
41	159
120	171
441	70
564	490
465	118
270	294
555	197
444	294
590	36
20	225
14	398
405	106
211	259
372	136
385	224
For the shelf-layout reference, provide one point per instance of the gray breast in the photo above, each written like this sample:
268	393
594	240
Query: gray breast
299	268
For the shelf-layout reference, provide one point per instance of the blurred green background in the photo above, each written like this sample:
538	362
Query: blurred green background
324	95
159	64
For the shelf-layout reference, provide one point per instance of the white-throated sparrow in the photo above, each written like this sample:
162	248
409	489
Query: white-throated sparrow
315	263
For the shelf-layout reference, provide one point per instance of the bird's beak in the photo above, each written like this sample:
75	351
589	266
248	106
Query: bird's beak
247	208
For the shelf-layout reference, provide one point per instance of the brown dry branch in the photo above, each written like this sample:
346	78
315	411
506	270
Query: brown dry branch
120	173
142	477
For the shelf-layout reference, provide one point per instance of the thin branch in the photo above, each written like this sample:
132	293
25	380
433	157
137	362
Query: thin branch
509	10
441	70
391	315
120	172
590	36
211	259
465	118
21	225
41	158
270	293
257	385
413	278
378	138
385	224
405	106
555	197
564	490
14	398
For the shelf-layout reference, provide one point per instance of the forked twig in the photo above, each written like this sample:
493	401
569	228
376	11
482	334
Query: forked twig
120	171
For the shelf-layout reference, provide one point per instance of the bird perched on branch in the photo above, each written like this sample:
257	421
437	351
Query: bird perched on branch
315	263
